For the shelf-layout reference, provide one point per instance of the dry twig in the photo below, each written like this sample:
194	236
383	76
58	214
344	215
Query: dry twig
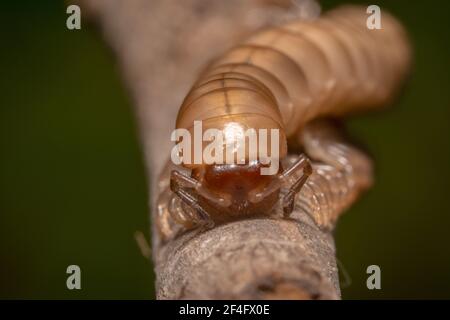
161	46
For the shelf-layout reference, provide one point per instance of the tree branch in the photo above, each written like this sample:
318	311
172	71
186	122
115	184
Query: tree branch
161	46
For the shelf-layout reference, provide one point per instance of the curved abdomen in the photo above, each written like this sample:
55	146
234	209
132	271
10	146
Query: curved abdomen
286	76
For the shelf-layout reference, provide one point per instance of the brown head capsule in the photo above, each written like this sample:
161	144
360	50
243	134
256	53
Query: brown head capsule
238	184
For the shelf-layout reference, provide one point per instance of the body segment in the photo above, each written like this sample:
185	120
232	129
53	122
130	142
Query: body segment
289	75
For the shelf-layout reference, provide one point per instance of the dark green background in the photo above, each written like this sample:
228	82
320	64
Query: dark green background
73	187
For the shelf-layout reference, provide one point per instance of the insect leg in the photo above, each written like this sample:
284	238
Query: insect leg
191	183
302	163
182	186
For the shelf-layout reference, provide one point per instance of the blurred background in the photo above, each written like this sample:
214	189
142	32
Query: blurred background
72	180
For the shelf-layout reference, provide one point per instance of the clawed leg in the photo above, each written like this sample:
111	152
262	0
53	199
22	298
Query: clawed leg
183	187
303	164
289	178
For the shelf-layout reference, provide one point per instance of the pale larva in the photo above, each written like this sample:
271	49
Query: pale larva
289	78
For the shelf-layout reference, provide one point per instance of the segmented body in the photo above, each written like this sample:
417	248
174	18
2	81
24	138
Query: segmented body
288	76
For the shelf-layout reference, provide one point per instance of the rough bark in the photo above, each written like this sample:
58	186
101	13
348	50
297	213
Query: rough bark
161	46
